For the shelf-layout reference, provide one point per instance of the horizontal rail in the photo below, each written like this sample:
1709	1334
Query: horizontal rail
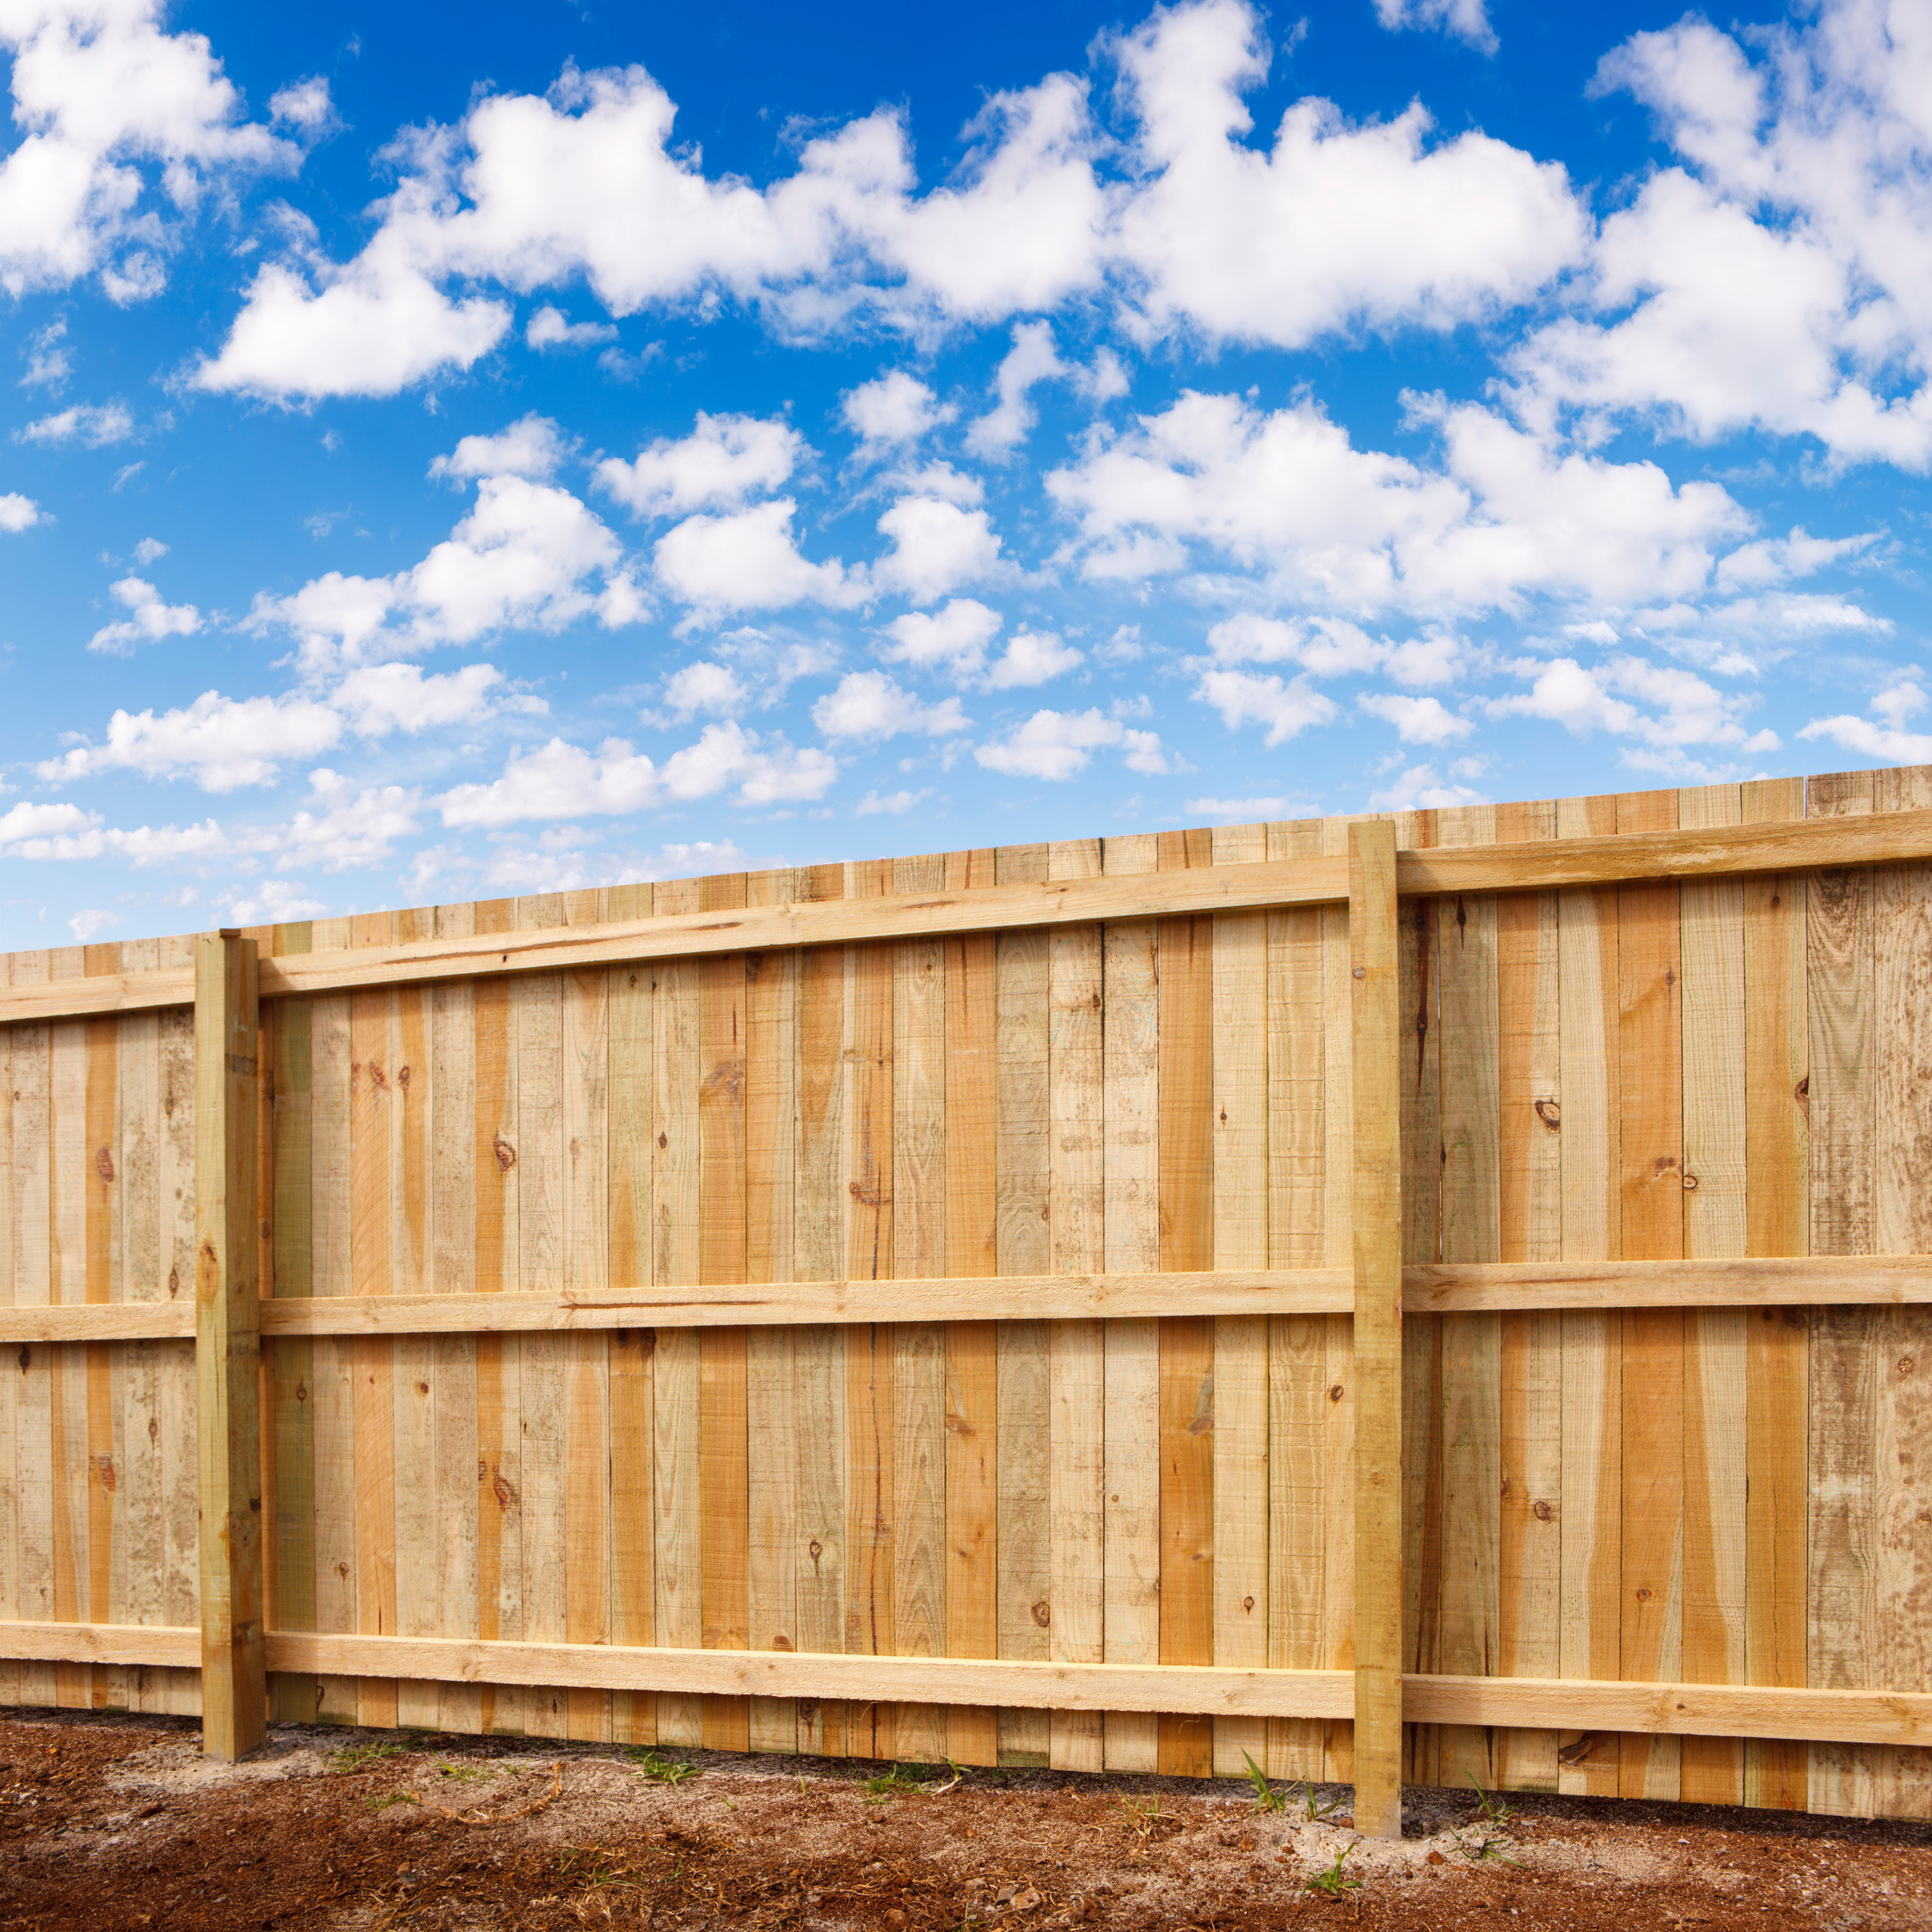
1706	1710
1458	1288
1803	844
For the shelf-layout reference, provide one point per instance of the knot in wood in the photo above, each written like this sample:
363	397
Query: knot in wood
1042	1613
1550	1114
104	1164
505	1154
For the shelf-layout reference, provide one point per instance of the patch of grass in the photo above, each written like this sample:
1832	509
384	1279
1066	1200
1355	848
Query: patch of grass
1267	1797
1332	1882
359	1758
1496	1811
1318	1808
463	1773
899	1782
381	1800
658	1768
1483	1849
1142	1816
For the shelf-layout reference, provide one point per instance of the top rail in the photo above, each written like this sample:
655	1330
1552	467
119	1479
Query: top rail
1800	846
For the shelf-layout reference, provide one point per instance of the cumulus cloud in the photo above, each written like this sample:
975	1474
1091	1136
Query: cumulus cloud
149	619
954	639
1779	275
224	744
938	547
93	425
704	686
1032	657
1286	707
868	704
1287	495
19	513
1465	20
749	561
549	329
563	781
1058	745
1665	709
1197	230
723	461
106	102
526	557
532	448
1884	737
892	410
1031	361
1418	720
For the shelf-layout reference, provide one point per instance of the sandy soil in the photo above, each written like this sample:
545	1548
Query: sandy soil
111	1823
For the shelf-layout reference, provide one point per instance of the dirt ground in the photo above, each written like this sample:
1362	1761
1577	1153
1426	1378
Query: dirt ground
113	1822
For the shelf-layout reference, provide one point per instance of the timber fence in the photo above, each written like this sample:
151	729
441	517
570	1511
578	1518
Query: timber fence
1395	1299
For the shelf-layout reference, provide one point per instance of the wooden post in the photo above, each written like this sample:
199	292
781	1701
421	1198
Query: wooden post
227	1345
1375	1073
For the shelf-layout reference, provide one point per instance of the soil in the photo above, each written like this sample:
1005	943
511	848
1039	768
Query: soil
114	1823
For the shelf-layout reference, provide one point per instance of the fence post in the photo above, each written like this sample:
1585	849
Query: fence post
228	1345
1376	1072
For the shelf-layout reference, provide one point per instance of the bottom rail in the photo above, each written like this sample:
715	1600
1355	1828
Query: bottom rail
1709	1710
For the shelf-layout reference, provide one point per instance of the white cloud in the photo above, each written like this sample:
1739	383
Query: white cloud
379	698
19	513
1059	744
1466	20
531	447
955	638
870	704
523	558
304	104
897	803
32	819
725	460
549	330
1883	737
1418	720
1031	361
85	924
1336	222
148	621
1777	560
1201	232
893	409
221	742
749	561
704	686
101	95
938	548
562	781
1032	658
1286	710
275	902
1418	789
1781	277
347	829
49	363
150	549
1287	496
1685	710
95	426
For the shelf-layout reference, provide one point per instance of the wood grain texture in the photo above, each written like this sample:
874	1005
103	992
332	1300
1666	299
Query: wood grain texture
1378	1076
1185	963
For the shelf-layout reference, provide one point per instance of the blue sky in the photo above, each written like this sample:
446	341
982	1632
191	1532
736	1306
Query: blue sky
453	452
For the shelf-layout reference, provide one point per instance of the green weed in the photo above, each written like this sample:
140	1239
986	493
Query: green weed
359	1758
1267	1797
1332	1882
658	1768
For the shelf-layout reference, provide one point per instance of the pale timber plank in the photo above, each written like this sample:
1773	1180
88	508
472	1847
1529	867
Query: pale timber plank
1184	964
1776	1099
1239	1128
1530	1185
972	1347
1022	992
1715	1403
919	1449
1130	1049
1841	1636
1590	1644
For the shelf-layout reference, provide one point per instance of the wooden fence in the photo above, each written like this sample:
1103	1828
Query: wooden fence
1121	1304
